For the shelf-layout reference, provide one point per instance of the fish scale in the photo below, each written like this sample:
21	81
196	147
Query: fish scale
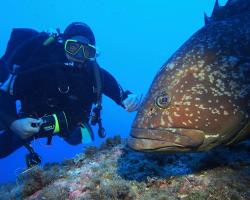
202	92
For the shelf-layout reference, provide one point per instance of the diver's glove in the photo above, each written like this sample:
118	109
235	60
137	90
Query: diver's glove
131	103
25	127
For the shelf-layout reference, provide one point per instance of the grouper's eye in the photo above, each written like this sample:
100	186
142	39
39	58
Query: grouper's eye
162	100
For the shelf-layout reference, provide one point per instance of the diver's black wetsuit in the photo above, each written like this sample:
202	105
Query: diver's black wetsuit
55	86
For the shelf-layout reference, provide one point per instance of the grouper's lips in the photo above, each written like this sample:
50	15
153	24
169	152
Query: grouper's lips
165	139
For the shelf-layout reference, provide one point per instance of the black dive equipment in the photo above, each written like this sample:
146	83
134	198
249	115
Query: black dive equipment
51	124
96	111
96	119
32	158
55	123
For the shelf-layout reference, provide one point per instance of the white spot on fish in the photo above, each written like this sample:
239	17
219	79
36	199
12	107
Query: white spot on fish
171	129
170	119
215	111
171	65
199	89
176	114
228	94
201	63
177	103
186	98
212	136
184	123
162	122
208	68
202	107
211	78
187	103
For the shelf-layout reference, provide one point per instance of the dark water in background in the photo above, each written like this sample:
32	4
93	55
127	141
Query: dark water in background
135	37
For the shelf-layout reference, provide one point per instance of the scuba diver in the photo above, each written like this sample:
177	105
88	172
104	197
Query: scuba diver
49	83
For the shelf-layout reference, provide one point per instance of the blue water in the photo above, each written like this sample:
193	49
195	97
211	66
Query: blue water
135	37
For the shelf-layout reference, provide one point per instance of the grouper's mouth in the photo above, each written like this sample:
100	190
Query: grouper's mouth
165	139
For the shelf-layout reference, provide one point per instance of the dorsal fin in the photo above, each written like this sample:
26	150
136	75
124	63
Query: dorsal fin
217	9
232	8
206	19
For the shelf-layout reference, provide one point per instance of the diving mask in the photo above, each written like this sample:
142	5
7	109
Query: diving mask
80	50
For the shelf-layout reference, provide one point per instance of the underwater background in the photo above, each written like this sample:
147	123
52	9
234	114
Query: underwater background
135	38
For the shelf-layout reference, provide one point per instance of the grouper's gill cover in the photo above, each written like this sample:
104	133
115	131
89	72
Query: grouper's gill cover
200	98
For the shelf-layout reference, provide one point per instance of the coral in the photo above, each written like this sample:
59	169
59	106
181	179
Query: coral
10	191
111	142
118	189
37	178
91	151
33	180
113	171
53	192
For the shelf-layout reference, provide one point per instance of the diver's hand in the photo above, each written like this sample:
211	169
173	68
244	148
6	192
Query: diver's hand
25	127
131	103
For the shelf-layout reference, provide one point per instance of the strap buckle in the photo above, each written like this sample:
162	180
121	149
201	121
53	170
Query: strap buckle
62	91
